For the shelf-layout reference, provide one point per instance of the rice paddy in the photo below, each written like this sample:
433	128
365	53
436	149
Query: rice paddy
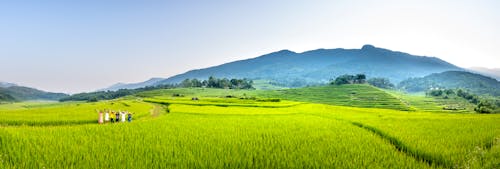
245	131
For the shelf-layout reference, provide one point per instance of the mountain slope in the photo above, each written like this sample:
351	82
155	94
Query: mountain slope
19	93
319	66
5	84
150	82
476	83
4	97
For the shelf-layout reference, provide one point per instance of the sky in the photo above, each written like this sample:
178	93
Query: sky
81	46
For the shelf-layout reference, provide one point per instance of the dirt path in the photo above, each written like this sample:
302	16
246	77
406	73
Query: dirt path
157	110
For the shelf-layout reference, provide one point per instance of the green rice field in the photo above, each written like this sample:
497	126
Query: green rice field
354	126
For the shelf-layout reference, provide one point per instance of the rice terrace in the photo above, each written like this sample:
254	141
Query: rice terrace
250	84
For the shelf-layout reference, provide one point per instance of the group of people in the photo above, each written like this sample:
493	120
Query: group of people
106	116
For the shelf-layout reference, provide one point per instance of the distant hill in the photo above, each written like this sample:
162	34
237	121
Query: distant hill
473	82
4	97
495	73
293	69
150	82
20	93
5	84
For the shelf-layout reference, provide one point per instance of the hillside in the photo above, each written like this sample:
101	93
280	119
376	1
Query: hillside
343	95
4	97
20	93
5	84
115	87
319	66
475	83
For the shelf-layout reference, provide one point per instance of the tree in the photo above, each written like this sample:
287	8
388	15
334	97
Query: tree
186	83
212	82
196	83
381	83
224	83
436	92
349	79
360	79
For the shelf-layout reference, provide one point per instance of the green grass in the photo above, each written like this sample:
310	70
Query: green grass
50	113
343	95
221	132
184	139
265	85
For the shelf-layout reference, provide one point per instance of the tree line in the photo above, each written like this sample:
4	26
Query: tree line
361	79
108	95
212	82
220	83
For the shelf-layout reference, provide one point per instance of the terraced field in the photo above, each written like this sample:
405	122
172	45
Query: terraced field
344	95
420	102
217	131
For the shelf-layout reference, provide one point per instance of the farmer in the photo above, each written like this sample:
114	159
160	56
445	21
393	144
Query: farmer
100	121
106	116
122	116
129	117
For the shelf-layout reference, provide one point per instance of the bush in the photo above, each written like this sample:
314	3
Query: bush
486	106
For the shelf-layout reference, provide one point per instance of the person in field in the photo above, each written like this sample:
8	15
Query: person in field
106	116
100	121
129	117
111	117
117	116
122	116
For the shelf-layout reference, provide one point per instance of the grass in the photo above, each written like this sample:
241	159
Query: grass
265	85
182	139
248	131
343	95
49	113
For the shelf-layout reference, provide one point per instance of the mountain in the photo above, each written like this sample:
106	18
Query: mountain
473	82
5	84
293	69
495	72
115	87
20	93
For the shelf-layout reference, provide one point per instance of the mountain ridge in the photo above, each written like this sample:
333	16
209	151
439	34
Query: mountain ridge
320	65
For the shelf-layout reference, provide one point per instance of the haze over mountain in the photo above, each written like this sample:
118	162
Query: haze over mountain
5	84
150	82
317	66
495	72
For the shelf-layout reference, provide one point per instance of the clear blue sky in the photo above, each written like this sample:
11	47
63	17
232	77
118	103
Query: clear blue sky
75	46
